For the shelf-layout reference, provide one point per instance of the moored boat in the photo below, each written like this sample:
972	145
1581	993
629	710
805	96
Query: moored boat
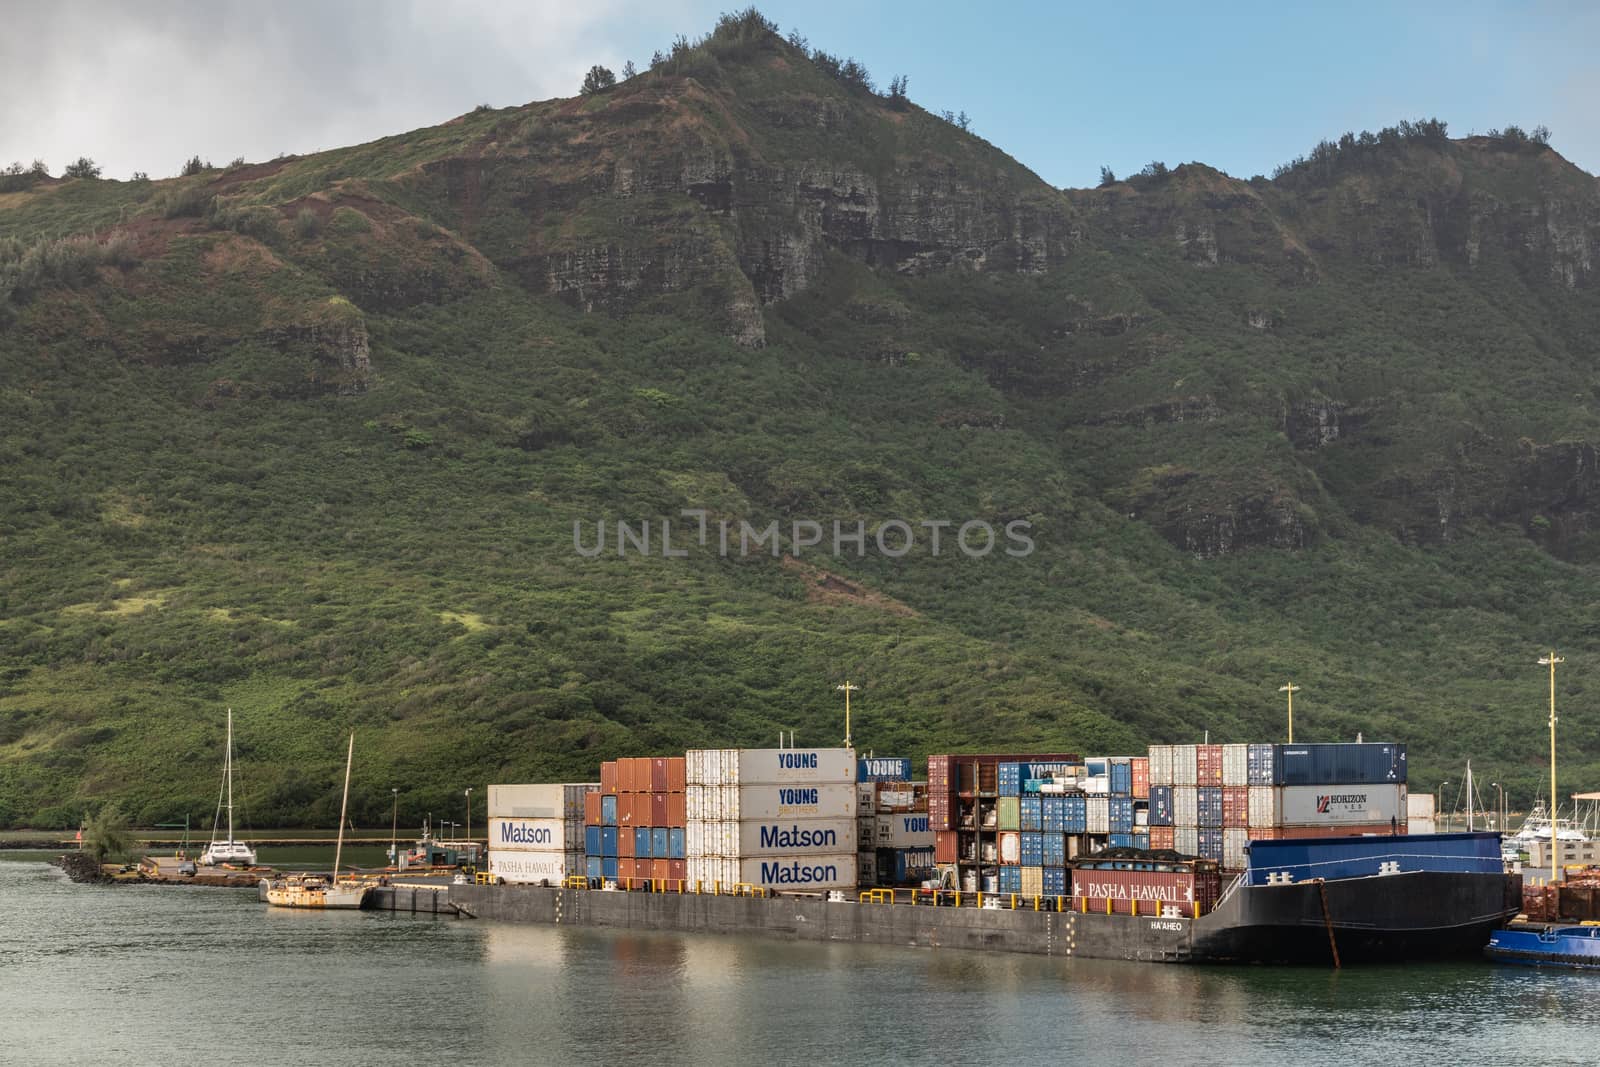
229	851
1546	946
313	890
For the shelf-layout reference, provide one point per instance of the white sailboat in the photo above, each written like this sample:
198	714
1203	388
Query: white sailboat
229	851
313	890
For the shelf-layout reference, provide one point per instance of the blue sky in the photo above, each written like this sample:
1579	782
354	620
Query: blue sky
1062	87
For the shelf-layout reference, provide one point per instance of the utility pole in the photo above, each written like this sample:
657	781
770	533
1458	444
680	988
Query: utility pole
1291	689
1550	661
847	688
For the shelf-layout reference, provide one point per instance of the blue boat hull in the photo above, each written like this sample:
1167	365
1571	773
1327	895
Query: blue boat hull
1546	946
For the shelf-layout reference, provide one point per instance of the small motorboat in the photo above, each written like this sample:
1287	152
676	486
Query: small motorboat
1546	946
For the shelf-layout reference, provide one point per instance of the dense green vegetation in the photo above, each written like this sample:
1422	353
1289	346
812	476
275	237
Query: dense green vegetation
210	502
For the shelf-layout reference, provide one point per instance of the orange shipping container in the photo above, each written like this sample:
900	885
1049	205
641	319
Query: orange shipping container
677	810
624	845
608	776
625	774
1163	837
1141	777
679	869
677	775
944	846
591	809
661	869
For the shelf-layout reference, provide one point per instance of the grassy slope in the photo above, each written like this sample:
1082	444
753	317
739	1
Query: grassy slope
397	562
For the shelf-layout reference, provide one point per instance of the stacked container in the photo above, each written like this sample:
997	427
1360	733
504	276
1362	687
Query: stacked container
536	832
996	818
641	807
773	818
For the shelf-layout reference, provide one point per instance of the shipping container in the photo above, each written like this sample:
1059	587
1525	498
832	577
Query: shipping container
1332	805
530	835
1010	847
1075	819
658	807
660	869
733	803
1235	765
771	766
1264	811
677	870
1054	850
883	768
1209	843
624	805
1163	837
608	841
944	846
608	810
1184	767
1141	839
523	866
593	809
1208	764
797	837
594	868
591	840
1419	805
643	843
660	842
1161	805
805	873
1009	779
988	779
608	776
1120	815
676	846
1234	845
1141	814
1236	806
625	778
677	809
539	801
1185	806
1120	773
1031	849
626	839
1186	840
1055	882
1339	764
1150	884
1098	814
1119	840
1141	777
1009	810
1032	881
658	774
1161	765
1031	816
1292	833
902	831
1208	806
1260	764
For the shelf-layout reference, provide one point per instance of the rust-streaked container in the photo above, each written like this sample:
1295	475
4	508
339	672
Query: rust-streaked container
677	810
1236	806
940	790
661	869
658	774
1208	764
1149	887
608	776
988	779
677	774
591	809
1163	837
658	804
944	846
1141	777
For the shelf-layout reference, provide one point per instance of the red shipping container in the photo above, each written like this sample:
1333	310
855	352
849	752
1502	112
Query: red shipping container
1092	887
1208	761
661	869
1265	833
939	808
624	844
678	870
1164	837
658	774
626	870
1141	777
677	809
658	805
608	776
944	846
591	809
1236	806
677	774
1288	833
625	774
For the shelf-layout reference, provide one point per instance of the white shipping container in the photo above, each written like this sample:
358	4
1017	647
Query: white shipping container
1419	806
536	835
800	873
540	801
1186	840
1010	847
1340	805
905	830
1185	805
866	798
1234	843
1161	765
743	803
770	766
797	837
1235	764
1185	765
1264	806
534	866
1099	813
1097	786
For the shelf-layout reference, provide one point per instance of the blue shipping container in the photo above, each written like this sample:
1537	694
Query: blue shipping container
675	845
591	841
911	864
1141	839
1161	805
1358	857
660	846
1119	840
608	810
1032	850
609	867
1211	844
608	842
1032	813
1122	776
1055	850
1055	814
1010	879
1010	779
1339	764
641	842
1208	804
1076	820
883	769
1259	764
1121	815
594	868
1055	882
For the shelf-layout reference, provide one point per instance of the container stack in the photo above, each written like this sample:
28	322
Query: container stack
635	828
773	818
536	832
1212	800
1007	823
893	832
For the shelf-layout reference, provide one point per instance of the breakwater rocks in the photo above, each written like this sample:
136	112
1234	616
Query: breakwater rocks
81	867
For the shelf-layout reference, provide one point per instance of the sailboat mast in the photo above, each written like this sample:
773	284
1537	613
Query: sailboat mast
1469	796
227	767
338	849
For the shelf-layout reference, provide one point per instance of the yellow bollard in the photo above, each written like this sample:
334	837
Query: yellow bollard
1135	902
1108	905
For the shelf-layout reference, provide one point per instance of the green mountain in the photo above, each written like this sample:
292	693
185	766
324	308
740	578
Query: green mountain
311	439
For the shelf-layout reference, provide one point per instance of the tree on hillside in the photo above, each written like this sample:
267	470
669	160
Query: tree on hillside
964	122
598	80
1107	177
195	166
82	167
107	834
897	93
629	70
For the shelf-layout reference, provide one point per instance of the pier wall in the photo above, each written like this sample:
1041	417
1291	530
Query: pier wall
1044	933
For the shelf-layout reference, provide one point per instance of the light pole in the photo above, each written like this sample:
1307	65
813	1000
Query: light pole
1438	808
1499	807
1550	661
1291	689
847	688
469	813
394	827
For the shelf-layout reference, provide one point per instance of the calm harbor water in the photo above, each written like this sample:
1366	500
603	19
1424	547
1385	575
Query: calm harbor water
146	974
